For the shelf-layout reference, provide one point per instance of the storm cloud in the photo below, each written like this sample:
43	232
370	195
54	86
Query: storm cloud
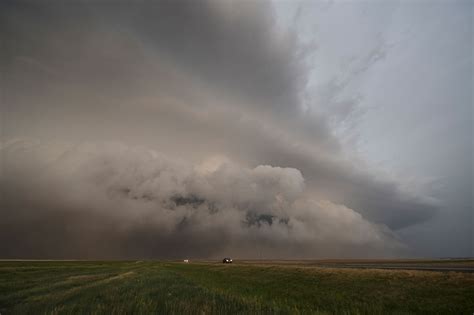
108	200
176	128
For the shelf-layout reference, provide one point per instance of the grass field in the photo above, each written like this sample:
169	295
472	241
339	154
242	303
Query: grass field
146	287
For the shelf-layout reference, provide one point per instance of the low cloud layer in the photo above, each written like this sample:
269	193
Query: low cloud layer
108	200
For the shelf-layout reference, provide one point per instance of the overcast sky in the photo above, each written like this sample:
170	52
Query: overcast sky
302	129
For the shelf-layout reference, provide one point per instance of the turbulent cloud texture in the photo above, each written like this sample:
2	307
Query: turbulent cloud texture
108	200
200	81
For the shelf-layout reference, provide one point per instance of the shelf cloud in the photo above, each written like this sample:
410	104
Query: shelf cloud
177	128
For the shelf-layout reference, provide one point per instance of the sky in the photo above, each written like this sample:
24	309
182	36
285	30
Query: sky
250	129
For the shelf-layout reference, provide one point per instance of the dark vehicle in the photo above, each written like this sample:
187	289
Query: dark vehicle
227	260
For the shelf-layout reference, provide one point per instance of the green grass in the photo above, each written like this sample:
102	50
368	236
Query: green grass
203	288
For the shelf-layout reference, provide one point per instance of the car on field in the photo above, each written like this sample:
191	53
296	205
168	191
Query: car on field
227	260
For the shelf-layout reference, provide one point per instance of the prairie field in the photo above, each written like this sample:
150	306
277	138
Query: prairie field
145	287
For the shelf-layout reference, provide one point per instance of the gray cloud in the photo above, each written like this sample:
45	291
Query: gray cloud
113	201
191	80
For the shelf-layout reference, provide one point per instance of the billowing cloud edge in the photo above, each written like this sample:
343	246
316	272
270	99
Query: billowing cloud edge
114	201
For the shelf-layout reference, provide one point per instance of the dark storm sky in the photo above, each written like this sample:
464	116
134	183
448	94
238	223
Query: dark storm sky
198	129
